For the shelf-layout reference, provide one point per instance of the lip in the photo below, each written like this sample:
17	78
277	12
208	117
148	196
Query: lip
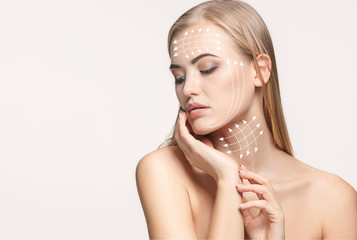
196	109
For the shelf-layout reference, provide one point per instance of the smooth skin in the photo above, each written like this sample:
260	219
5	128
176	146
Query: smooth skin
179	200
195	191
169	211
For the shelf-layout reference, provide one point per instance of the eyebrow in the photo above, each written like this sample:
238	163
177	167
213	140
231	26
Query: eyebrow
195	59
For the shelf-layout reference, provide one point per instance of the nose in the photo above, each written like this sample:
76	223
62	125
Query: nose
191	86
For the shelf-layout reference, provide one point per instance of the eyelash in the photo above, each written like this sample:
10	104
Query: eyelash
203	72
208	71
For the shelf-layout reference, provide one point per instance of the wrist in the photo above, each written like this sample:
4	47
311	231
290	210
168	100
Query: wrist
228	179
229	176
228	186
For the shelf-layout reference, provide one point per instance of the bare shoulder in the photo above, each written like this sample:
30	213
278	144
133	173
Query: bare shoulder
160	177
325	183
167	161
336	193
163	171
336	202
320	182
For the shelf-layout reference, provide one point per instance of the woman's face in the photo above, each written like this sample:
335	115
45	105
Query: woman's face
213	81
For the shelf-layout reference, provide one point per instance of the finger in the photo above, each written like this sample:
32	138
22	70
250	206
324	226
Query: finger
254	178
244	169
241	194
274	214
188	125
192	144
247	216
177	129
250	181
262	191
242	188
246	213
260	204
182	132
188	144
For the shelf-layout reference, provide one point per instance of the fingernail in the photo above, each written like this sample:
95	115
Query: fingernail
243	166
239	186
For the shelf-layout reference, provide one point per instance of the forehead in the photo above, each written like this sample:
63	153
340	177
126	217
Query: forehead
198	39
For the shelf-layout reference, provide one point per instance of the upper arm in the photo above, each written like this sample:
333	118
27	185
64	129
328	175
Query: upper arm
164	198
340	215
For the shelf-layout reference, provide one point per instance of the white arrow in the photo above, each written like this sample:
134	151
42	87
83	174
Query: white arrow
241	155
175	42
225	145
258	125
254	117
230	130
237	126
245	122
248	153
229	152
261	132
256	149
222	138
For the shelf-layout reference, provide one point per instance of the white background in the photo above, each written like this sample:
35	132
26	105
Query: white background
85	92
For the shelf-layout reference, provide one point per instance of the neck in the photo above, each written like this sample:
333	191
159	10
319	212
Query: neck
248	140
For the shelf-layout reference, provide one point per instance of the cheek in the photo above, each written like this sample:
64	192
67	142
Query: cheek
222	94
232	94
224	89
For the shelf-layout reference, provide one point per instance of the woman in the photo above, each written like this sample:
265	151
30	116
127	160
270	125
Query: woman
228	172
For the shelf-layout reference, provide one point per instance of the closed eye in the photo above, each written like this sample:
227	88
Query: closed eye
180	80
204	72
208	71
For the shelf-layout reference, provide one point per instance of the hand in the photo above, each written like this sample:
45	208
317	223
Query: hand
202	155
269	223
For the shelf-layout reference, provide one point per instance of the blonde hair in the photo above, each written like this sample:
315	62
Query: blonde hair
251	36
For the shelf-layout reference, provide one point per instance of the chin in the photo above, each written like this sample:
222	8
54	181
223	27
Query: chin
201	127
202	132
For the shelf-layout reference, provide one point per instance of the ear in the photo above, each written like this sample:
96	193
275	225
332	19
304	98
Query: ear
264	67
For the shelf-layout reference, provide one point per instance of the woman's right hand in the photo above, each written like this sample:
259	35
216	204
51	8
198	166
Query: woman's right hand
202	155
269	223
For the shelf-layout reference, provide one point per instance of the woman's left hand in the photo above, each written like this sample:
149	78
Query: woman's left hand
202	154
269	223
